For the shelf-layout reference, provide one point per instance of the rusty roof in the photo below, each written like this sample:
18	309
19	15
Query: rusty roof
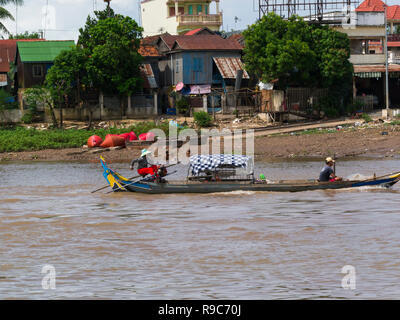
8	50
148	51
229	66
376	68
206	42
149	80
238	37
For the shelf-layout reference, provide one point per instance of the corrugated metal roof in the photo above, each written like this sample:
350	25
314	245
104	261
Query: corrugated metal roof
148	51
229	66
148	76
205	42
8	49
43	51
375	68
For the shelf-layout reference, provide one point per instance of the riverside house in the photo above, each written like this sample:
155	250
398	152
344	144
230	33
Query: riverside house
34	59
8	49
202	62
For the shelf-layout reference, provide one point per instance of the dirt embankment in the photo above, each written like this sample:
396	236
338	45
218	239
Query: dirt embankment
373	141
368	142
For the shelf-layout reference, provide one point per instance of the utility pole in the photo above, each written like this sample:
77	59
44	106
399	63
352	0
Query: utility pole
386	67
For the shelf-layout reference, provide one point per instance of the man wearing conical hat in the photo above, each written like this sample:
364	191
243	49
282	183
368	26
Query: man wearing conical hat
143	165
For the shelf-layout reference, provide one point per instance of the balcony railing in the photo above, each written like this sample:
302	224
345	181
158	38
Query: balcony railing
187	19
367	58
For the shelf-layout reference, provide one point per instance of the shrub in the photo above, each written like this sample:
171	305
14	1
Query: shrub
352	108
6	101
27	117
328	106
202	119
366	117
182	105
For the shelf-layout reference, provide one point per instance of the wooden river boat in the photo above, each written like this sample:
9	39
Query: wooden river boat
221	176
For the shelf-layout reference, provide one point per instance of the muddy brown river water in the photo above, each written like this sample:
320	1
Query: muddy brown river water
239	245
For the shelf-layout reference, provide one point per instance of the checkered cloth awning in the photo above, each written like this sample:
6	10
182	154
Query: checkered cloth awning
200	163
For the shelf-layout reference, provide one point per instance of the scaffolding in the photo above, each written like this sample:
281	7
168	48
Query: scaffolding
314	9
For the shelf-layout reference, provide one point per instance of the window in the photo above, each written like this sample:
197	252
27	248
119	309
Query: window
37	70
199	8
171	11
190	9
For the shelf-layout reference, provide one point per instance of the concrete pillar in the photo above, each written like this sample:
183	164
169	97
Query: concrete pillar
391	28
101	102
129	108
217	3
223	103
155	111
205	103
213	106
176	8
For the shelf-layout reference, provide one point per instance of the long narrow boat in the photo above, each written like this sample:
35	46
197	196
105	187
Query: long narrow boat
218	182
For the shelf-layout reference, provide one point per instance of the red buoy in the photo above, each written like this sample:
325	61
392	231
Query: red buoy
94	141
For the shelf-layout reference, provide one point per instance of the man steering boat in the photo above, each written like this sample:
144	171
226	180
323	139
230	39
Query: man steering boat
144	168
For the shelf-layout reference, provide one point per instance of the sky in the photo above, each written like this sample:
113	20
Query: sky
70	15
65	17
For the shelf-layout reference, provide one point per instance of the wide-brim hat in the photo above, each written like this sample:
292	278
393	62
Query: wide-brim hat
329	159
145	152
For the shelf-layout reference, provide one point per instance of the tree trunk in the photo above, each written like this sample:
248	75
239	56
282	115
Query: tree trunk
61	113
90	118
53	116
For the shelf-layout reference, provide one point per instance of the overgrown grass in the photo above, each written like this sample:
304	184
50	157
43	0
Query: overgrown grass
13	139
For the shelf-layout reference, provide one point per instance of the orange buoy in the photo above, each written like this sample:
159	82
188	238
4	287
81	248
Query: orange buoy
113	140
94	141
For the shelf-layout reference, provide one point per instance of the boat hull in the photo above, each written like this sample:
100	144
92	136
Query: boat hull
119	183
156	188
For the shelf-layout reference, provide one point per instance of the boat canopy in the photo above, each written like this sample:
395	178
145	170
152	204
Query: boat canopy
200	163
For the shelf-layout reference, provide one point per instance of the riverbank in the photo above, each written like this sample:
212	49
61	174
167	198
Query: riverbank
375	140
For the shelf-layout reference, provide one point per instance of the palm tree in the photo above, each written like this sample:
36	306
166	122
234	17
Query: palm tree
5	14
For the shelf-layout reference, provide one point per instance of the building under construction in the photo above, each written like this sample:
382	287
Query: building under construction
314	10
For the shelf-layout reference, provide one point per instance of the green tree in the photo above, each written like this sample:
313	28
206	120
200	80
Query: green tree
279	49
111	41
299	54
5	14
25	35
66	75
